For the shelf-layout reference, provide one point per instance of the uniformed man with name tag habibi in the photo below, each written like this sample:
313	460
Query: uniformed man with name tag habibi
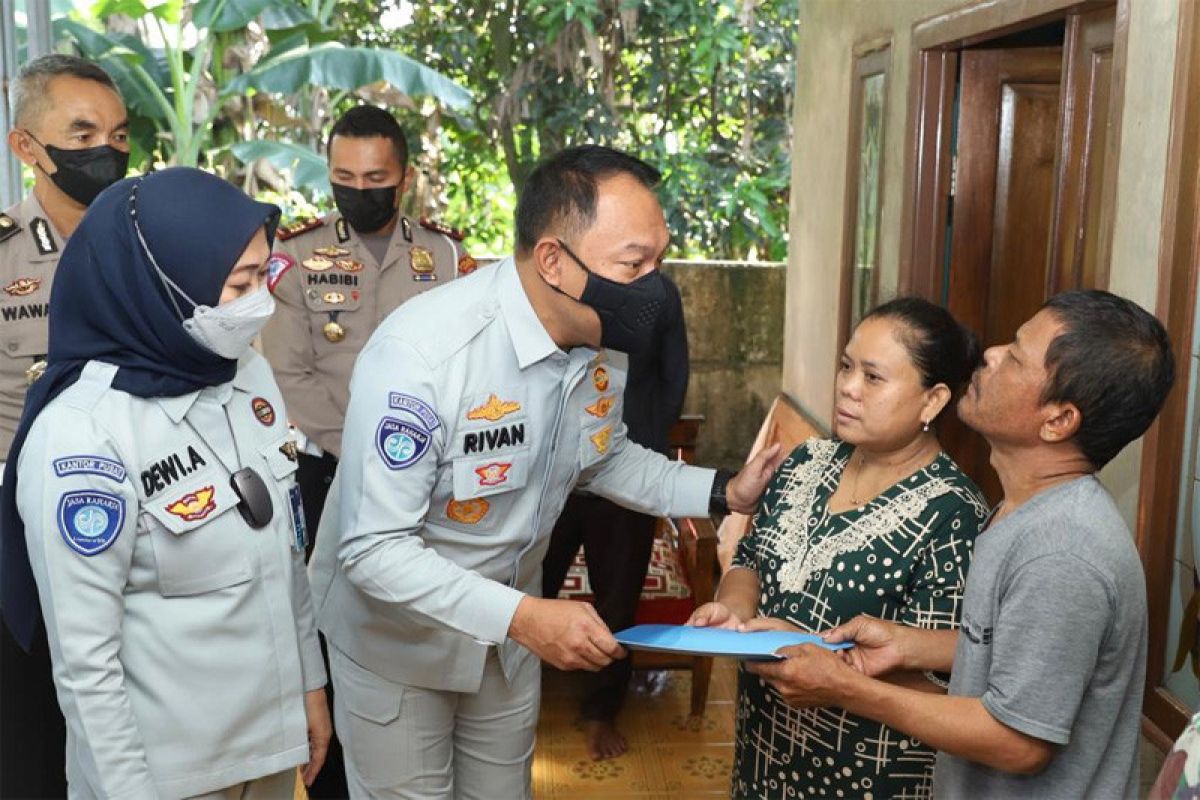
336	278
71	130
475	409
151	493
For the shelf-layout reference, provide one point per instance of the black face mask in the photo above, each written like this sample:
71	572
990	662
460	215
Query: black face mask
628	312
367	210
83	174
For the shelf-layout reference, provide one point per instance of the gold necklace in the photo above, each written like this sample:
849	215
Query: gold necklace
862	461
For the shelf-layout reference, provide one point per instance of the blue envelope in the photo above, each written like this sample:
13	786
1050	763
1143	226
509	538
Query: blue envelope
751	646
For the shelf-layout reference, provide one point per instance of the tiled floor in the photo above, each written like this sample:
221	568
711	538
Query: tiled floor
670	755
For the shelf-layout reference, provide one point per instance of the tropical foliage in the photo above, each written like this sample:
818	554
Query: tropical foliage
701	88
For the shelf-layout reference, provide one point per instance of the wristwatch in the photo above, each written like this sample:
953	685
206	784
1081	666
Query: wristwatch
717	502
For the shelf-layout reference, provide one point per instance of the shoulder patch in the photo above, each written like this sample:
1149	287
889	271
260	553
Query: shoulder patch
90	465
277	265
43	237
401	444
415	406
437	227
467	265
8	227
90	521
294	229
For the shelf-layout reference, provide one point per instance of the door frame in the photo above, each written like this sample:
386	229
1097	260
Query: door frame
1162	451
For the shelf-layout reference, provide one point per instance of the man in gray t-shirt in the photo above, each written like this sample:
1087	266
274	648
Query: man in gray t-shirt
1047	670
1053	642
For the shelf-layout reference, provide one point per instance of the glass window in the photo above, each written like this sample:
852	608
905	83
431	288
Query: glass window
860	280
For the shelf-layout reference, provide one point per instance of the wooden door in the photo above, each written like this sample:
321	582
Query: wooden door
1087	161
1003	207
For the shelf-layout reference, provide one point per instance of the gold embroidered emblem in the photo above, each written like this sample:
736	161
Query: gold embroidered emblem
601	407
468	512
494	409
601	439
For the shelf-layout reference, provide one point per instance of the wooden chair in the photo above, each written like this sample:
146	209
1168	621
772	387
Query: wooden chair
786	425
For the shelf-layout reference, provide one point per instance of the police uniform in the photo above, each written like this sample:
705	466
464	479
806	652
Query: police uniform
33	732
29	251
467	429
183	638
331	295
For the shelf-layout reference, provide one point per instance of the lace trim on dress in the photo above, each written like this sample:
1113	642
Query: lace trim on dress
804	559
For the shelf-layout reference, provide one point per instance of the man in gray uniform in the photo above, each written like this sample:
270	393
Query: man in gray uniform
1048	669
474	412
71	129
335	279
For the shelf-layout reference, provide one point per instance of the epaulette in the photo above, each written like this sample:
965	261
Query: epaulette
285	232
437	227
8	227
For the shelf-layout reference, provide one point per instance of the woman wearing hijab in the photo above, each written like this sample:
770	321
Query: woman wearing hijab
151	493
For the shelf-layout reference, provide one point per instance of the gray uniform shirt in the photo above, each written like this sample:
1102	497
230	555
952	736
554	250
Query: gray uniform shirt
29	251
314	286
182	639
467	429
1053	640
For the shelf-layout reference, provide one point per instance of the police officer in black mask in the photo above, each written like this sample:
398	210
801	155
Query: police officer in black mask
72	131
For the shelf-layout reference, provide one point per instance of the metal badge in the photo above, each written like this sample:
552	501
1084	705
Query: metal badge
317	263
36	371
331	251
333	332
420	260
42	237
22	287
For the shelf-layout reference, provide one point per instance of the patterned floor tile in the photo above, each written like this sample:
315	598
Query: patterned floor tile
571	772
691	769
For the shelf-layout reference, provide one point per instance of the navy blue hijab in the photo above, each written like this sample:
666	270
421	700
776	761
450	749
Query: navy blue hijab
109	304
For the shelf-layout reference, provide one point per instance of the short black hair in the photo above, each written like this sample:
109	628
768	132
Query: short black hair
562	189
363	122
30	97
942	350
1113	362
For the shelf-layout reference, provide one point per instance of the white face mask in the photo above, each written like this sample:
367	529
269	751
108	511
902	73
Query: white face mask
229	329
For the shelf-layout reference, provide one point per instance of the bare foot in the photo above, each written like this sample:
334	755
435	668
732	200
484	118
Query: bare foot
603	739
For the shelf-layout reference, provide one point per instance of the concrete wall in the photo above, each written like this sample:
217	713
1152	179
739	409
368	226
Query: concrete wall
734	318
828	33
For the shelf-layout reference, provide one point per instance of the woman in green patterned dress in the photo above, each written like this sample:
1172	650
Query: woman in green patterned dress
879	521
